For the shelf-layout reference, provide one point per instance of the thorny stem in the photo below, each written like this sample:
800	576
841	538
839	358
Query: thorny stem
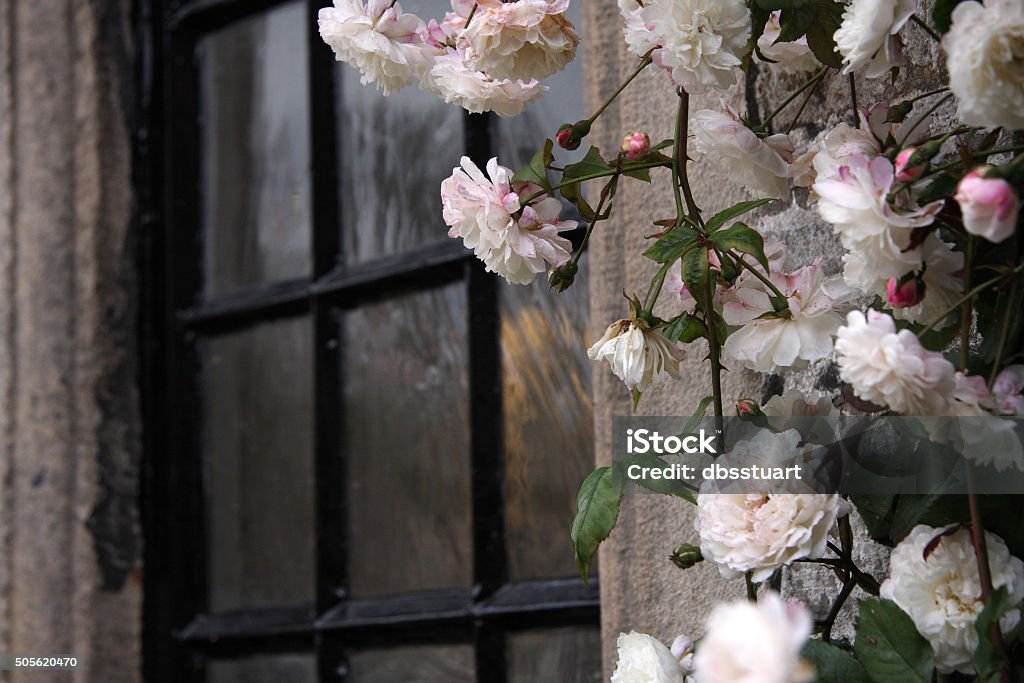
927	29
680	158
812	81
714	348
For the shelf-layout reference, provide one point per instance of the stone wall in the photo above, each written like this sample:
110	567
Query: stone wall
69	428
640	588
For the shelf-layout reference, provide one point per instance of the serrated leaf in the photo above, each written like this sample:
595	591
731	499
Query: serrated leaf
591	164
794	23
672	246
734	211
668	487
695	269
889	647
744	239
536	171
819	35
833	664
643	174
684	329
597	510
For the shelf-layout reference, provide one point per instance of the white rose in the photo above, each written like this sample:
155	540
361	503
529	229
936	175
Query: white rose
386	45
867	35
643	659
755	643
890	368
702	42
760	165
794	55
941	592
759	532
513	240
983	52
804	334
638	355
522	40
456	82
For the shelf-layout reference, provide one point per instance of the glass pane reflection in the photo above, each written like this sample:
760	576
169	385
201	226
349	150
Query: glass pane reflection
408	443
395	151
567	655
420	664
258	389
548	421
278	669
255	151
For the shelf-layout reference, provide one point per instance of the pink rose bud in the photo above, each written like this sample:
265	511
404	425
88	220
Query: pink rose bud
904	292
904	172
566	137
748	407
636	146
989	205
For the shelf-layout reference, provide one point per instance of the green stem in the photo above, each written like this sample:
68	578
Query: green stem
654	291
931	110
713	351
680	157
767	283
644	61
812	81
606	192
853	100
593	176
803	105
927	29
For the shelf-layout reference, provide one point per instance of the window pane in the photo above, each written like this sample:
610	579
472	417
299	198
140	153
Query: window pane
408	443
421	664
255	151
279	669
566	655
395	151
521	136
548	421
258	388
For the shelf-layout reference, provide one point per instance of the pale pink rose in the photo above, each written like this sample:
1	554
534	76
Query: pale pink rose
457	82
989	205
761	165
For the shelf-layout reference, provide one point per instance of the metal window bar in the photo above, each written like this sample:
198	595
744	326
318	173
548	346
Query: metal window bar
178	631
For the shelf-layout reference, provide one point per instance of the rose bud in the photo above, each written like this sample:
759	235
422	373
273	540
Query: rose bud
636	146
570	135
748	407
989	205
905	173
561	278
904	292
686	556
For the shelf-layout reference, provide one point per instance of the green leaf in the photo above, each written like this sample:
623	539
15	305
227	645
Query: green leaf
536	171
695	269
698	415
591	164
744	239
673	245
668	487
685	329
573	195
987	657
643	174
794	23
819	34
597	510
889	647
942	14
726	215
834	664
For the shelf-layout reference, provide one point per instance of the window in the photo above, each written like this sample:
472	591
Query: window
359	465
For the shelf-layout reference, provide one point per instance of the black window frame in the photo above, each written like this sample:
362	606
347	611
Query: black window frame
178	633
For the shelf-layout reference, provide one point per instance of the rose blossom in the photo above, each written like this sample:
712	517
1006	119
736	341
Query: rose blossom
386	45
513	240
989	205
759	532
802	333
941	591
521	40
456	82
794	55
755	643
760	165
867	35
644	659
701	42
983	55
891	368
638	355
